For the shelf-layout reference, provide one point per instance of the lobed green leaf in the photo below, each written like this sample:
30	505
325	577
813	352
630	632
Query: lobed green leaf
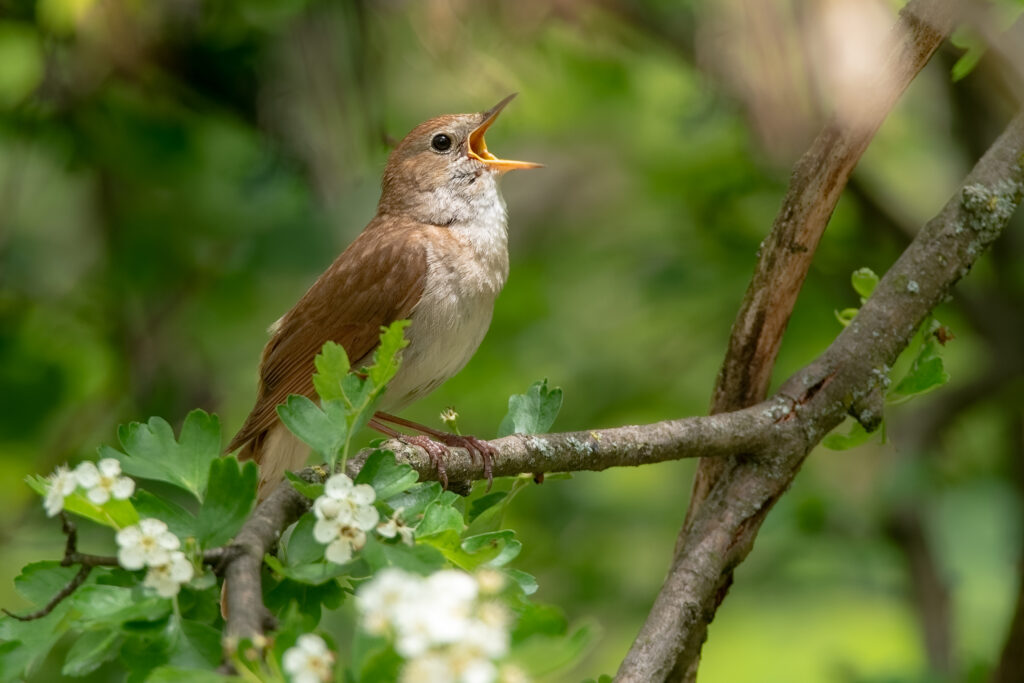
151	451
533	412
230	497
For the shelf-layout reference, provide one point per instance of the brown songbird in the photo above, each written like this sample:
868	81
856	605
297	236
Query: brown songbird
436	253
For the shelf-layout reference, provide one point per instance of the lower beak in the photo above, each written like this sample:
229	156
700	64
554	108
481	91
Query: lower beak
478	147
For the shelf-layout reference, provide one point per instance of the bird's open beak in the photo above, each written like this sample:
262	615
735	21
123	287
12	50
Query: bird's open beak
478	148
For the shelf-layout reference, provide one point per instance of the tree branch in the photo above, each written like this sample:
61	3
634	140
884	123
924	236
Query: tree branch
785	256
852	375
778	432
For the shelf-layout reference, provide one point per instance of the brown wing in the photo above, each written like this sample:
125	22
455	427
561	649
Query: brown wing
379	279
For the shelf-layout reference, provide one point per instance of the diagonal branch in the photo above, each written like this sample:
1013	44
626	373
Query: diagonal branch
851	373
786	254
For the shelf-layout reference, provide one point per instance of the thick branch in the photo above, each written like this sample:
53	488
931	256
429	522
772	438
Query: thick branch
744	431
243	590
817	182
852	374
785	256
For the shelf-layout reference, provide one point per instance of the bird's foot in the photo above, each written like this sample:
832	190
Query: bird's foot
435	451
478	448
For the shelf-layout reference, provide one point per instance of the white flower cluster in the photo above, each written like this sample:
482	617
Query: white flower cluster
444	625
100	482
151	544
309	661
343	516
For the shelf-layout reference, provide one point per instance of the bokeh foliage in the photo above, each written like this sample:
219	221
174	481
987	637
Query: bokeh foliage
174	175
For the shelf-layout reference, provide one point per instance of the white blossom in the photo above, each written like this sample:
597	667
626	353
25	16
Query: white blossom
380	598
396	527
341	539
344	513
103	481
62	483
146	544
167	578
309	661
440	626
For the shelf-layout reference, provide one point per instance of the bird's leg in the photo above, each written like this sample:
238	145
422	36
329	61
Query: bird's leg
435	451
476	447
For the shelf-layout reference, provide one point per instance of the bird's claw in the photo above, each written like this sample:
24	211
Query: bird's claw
435	451
477	448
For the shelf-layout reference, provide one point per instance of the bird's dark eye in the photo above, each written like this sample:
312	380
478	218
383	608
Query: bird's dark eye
441	142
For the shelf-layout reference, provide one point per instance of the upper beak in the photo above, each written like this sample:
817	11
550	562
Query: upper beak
478	148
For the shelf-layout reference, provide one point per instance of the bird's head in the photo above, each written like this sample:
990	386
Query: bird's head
442	165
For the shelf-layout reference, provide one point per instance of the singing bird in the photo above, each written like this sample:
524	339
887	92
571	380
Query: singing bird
436	253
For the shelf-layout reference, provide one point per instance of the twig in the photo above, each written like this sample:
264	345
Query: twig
215	557
67	590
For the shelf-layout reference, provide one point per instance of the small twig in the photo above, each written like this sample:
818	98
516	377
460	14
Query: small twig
217	558
67	590
71	557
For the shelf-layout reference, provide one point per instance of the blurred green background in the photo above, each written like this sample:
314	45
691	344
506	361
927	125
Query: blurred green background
174	175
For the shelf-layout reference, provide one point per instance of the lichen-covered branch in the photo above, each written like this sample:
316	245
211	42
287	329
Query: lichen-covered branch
744	431
850	376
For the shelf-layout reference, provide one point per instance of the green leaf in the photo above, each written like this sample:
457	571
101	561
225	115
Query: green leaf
180	521
25	644
864	281
386	476
193	645
313	573
419	559
495	548
439	518
90	650
332	365
974	46
40	581
526	582
542	655
311	491
111	605
301	547
386	358
533	412
846	316
414	501
229	500
856	436
926	373
115	514
324	432
483	503
151	452
304	601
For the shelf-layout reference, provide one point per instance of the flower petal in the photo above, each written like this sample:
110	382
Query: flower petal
340	551
123	488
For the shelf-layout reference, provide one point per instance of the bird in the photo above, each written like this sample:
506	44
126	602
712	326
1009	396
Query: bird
435	253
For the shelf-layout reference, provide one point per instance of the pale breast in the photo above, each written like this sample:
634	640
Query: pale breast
467	265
